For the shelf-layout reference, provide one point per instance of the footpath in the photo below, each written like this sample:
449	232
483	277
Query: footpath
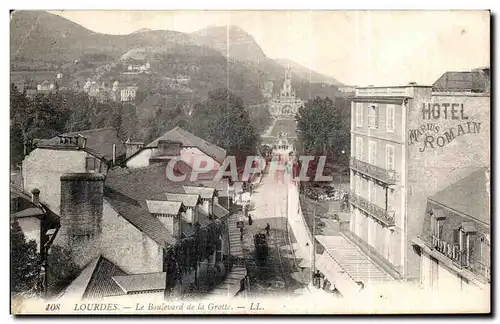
232	284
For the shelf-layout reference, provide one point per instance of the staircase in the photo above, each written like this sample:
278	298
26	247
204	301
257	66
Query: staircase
233	282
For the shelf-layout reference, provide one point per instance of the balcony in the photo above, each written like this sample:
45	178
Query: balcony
386	176
384	92
386	217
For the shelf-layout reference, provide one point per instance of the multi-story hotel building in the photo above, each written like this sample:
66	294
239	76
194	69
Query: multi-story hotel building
407	143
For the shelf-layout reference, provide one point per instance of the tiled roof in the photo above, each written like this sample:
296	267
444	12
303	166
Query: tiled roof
78	286
145	222
142	282
468	196
164	207
204	192
186	199
220	211
99	141
29	212
462	81
101	283
127	190
190	140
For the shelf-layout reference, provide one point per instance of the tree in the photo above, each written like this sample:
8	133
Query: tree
61	268
323	128
223	120
24	261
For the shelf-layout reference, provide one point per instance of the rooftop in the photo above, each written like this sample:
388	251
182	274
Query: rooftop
164	207
468	196
141	282
188	139
99	142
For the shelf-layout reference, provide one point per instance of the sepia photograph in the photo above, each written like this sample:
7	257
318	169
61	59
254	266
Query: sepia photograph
257	162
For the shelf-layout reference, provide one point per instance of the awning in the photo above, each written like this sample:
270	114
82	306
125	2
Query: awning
336	275
348	256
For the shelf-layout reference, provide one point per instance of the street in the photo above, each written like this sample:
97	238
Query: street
279	274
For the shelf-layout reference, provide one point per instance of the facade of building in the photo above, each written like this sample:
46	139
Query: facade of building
128	93
407	143
133	219
85	151
286	103
178	143
455	244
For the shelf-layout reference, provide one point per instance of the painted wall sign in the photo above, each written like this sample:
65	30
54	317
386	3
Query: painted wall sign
431	135
432	140
443	111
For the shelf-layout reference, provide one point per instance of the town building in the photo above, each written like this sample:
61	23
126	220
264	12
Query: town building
84	151
37	222
455	243
46	87
129	226
128	93
407	143
178	143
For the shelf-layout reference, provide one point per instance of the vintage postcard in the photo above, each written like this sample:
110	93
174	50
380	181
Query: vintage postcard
250	162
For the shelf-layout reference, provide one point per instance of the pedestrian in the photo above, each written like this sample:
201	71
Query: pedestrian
268	228
241	236
250	220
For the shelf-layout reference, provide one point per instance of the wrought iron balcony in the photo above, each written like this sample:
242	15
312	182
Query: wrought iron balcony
452	251
379	213
373	171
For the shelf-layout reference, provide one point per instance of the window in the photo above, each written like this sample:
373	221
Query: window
358	184
359	148
436	225
373	153
91	164
373	117
359	114
389	157
390	199
389	118
372	191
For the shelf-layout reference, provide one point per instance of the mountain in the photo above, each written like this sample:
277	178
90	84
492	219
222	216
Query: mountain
211	57
61	40
304	73
232	41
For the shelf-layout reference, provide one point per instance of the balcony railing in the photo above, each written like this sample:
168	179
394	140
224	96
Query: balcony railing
460	258
386	217
373	171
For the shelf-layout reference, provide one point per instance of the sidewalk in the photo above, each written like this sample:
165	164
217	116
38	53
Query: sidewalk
233	281
299	227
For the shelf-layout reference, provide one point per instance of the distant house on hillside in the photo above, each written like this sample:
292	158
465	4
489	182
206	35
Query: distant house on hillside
128	93
46	87
144	68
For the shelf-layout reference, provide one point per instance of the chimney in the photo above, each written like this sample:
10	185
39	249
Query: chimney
132	147
81	214
169	148
35	196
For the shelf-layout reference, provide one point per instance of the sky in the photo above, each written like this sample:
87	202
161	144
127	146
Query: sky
356	47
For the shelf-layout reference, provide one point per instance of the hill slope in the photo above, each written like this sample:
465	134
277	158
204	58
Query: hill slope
305	73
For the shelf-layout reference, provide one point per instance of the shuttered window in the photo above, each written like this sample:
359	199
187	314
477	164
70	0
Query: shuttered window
373	153
389	157
91	164
359	148
373	117
359	114
389	120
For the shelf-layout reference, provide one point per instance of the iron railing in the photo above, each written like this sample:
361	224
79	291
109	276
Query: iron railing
386	217
387	176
